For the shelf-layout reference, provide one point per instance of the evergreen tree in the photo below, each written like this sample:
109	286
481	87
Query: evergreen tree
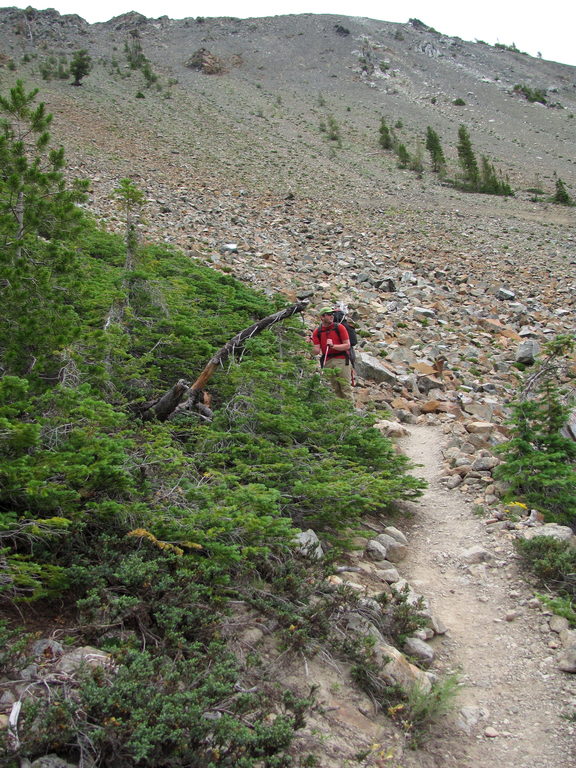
490	182
385	139
38	213
539	461
435	149
80	66
468	159
561	196
131	200
403	156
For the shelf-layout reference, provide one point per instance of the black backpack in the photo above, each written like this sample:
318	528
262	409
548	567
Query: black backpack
339	318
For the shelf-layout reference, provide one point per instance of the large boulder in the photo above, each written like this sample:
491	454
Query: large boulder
527	351
369	367
397	670
555	531
309	544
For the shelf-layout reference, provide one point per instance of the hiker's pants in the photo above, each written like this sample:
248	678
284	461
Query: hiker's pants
340	377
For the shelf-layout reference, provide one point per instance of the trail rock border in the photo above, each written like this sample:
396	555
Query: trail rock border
513	705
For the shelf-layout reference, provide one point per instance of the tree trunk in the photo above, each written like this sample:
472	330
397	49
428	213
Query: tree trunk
182	397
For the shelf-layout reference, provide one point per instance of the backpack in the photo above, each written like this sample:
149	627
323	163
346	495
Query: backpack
340	318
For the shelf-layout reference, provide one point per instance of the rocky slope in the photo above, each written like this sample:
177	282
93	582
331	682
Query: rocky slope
450	291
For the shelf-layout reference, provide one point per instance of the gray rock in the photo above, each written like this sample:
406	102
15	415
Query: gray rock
308	543
567	660
389	575
409	277
51	761
369	367
395	550
390	530
555	531
419	650
87	655
438	625
375	550
558	624
423	312
527	352
568	637
505	294
476	554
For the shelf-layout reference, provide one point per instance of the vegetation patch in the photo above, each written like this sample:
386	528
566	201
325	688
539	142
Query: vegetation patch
154	532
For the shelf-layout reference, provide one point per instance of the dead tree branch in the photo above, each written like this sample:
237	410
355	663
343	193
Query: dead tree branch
184	397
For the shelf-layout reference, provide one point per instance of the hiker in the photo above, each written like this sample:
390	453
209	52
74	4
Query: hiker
332	344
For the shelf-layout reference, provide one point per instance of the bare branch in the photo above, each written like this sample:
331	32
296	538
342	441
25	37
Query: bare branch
183	397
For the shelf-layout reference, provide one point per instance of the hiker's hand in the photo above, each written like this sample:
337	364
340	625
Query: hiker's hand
329	343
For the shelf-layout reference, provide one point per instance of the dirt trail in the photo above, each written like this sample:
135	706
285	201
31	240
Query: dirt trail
510	709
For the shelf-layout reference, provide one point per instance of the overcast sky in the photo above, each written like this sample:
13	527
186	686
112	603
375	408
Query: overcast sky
548	28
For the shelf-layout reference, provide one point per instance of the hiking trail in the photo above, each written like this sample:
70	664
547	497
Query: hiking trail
511	706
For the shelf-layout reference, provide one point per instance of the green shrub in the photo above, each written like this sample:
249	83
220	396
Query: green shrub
149	530
552	561
531	94
333	130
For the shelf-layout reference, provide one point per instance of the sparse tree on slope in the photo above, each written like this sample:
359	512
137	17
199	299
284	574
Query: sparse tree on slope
467	158
435	149
385	139
80	65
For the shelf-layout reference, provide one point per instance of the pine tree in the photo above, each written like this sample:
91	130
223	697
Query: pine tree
467	158
539	461
403	155
561	196
38	214
385	139
80	65
435	149
131	200
490	182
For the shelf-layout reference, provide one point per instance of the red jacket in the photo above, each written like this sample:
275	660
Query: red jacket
339	336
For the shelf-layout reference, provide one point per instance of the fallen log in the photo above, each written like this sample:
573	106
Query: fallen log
184	397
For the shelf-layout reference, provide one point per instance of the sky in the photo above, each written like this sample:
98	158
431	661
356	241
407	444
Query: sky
546	28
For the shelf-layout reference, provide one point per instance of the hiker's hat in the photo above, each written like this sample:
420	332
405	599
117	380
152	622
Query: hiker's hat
326	311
